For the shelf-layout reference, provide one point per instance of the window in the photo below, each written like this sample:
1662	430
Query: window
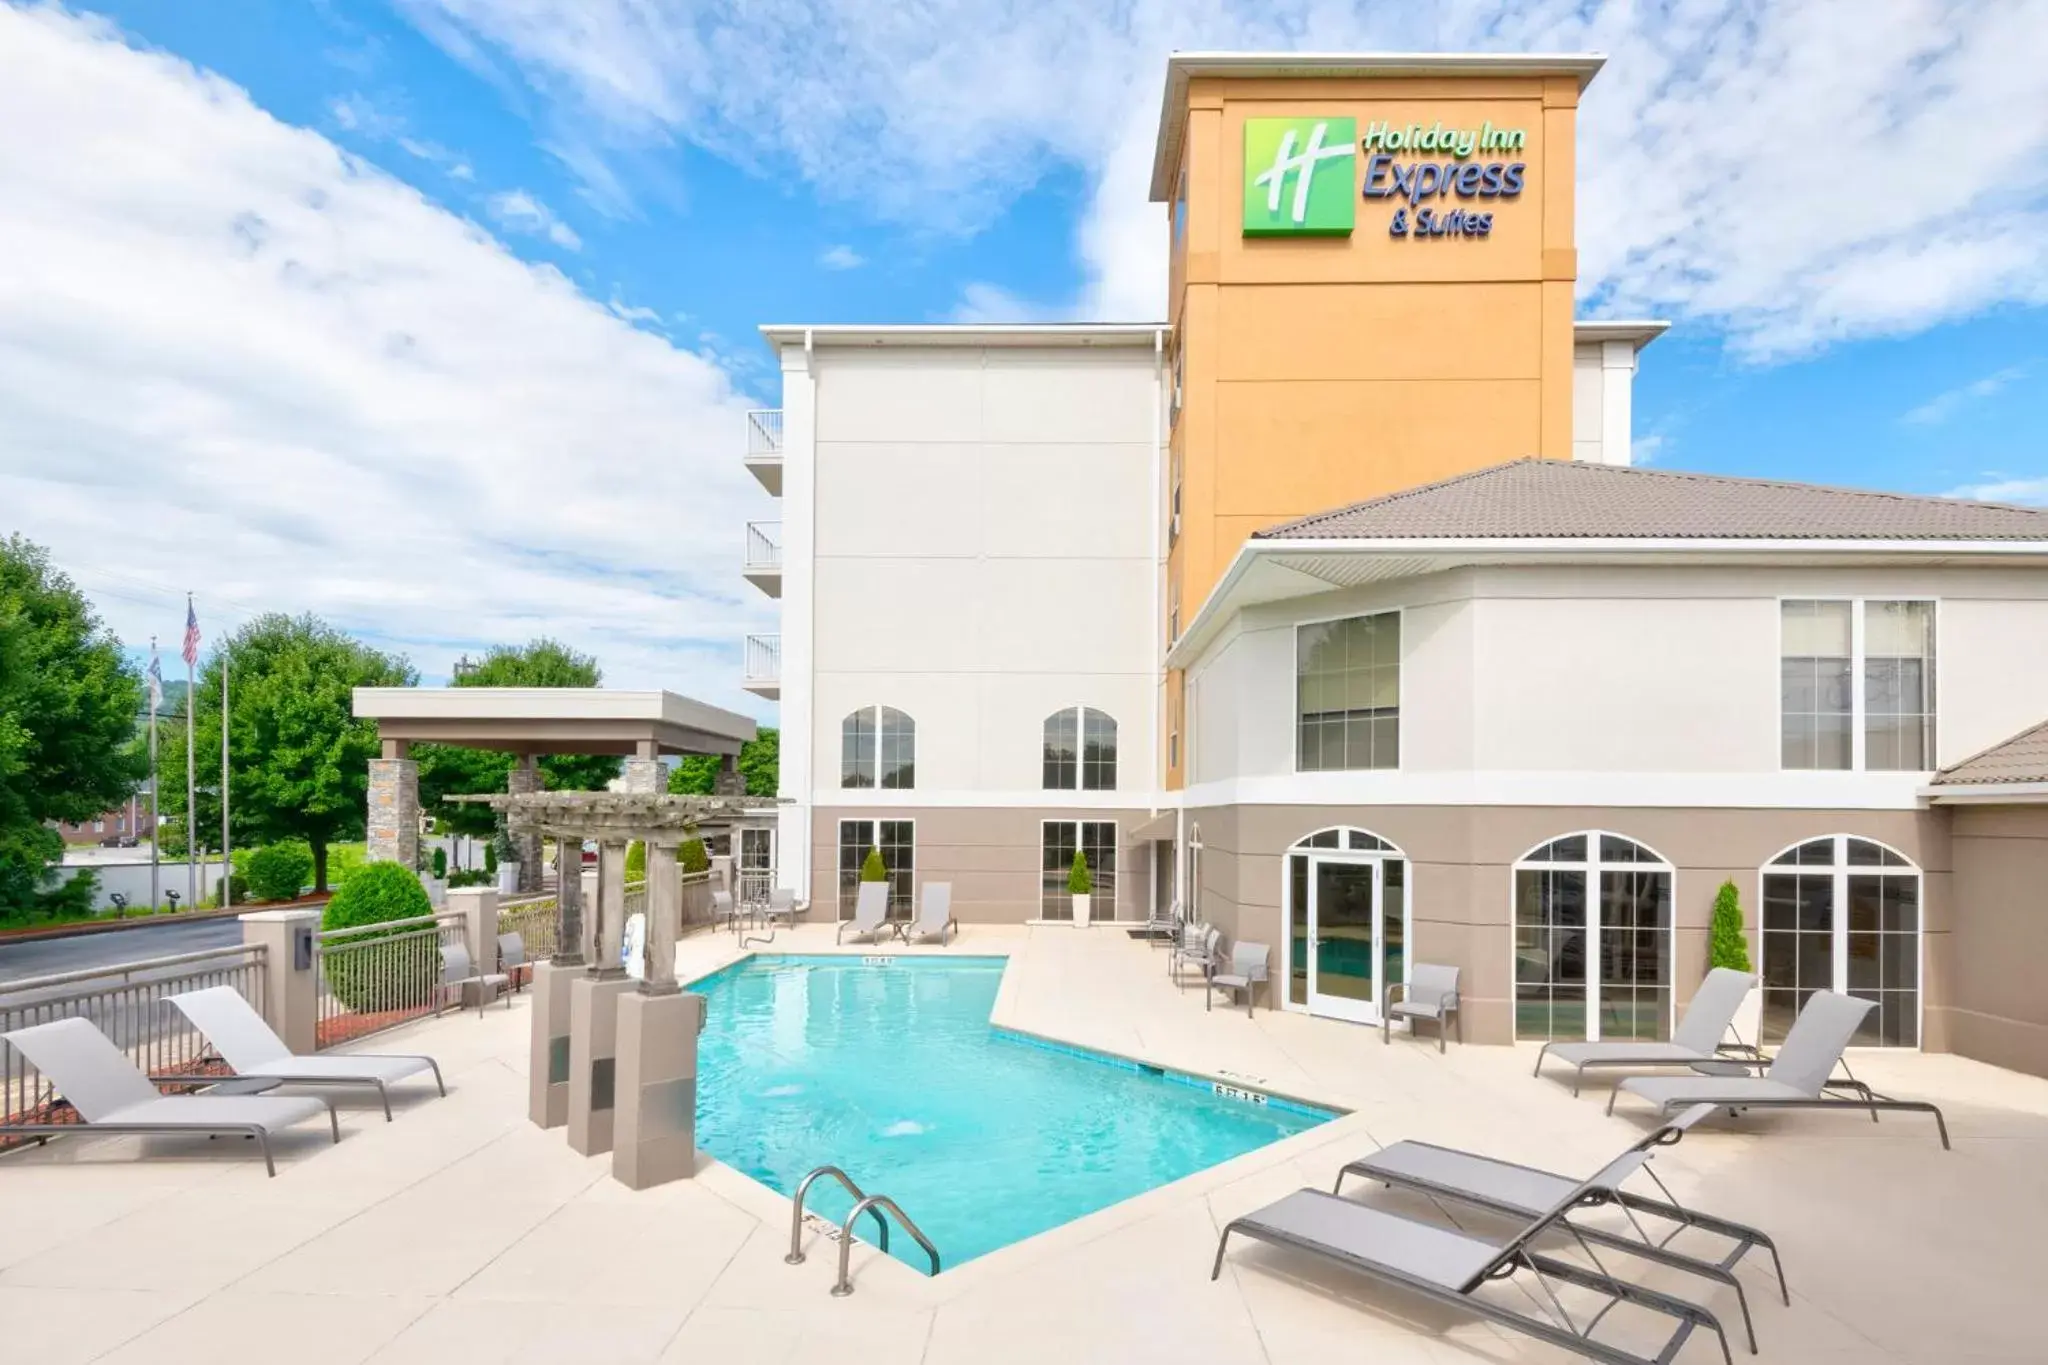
1173	506
1348	693
1096	841
1080	750
1178	398
99	827
1856	685
1843	914
1173	612
897	840
878	748
1592	940
1180	211
757	863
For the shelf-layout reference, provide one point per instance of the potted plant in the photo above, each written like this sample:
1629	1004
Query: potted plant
1728	946
1079	884
873	869
507	850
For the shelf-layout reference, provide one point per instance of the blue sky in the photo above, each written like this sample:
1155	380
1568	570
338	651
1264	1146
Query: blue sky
481	376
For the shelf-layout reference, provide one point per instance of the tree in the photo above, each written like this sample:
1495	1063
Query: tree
760	764
1078	881
68	700
446	770
1727	945
299	759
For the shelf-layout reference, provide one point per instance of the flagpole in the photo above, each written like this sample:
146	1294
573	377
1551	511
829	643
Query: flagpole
155	836
227	865
191	773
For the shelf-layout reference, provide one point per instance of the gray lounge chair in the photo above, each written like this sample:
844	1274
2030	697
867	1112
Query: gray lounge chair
781	907
1512	1191
1197	949
1696	1040
1163	926
1798	1078
247	1044
1247	970
934	913
512	959
112	1097
1430	992
1452	1267
870	914
458	972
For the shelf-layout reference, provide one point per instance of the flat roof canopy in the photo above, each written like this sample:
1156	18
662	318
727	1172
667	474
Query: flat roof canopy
553	720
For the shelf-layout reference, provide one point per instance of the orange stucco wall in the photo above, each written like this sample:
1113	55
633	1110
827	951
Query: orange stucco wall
1321	371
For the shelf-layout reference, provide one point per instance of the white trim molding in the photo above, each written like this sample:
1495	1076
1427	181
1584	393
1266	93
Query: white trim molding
910	798
1793	790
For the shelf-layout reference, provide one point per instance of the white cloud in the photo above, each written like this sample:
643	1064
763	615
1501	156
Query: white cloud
2000	489
981	302
438	155
1944	405
519	211
1646	449
841	257
237	360
1792	174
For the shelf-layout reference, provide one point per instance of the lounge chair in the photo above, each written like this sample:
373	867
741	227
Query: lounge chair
870	914
1198	949
1163	926
247	1044
1452	1267
934	913
1428	993
112	1097
723	912
1511	1191
1247	970
1698	1037
512	959
781	907
1799	1077
457	972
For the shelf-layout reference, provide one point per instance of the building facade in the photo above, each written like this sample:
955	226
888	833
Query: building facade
1329	610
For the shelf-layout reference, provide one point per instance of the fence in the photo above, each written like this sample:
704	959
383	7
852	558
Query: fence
127	1004
381	975
533	919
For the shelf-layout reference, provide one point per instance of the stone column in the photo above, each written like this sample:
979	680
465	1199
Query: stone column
479	908
655	1137
664	918
593	913
524	779
642	772
594	1010
611	909
547	1056
728	781
291	986
568	900
394	824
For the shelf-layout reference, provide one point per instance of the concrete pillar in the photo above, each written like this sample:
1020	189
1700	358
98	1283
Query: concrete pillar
611	907
291	985
593	1059
664	918
593	911
524	779
478	906
568	901
394	819
549	1045
655	1131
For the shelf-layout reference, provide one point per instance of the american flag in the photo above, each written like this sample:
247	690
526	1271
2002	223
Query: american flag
156	679
191	636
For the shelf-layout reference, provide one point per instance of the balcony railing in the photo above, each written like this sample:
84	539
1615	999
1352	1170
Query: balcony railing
761	668
764	545
764	447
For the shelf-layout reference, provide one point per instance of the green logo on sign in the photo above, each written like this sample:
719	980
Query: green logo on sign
1300	176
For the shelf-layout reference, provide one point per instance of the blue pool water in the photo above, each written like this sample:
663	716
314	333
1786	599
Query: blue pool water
895	1074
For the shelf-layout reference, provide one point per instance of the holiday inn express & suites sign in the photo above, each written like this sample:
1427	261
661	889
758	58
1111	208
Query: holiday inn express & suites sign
1302	176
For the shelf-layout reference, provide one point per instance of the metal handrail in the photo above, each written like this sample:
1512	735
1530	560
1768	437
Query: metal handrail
869	1205
121	969
796	1218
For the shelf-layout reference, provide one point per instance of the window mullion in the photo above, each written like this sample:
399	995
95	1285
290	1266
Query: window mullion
1857	755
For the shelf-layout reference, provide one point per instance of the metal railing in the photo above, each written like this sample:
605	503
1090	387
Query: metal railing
535	920
378	976
125	1003
763	661
764	546
764	432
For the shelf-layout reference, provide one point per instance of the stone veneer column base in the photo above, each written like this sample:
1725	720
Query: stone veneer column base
655	1139
525	779
394	820
642	775
547	1058
593	1060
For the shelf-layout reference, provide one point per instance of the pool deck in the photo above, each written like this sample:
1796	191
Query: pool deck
460	1232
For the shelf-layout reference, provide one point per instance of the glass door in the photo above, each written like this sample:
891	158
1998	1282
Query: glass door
1344	903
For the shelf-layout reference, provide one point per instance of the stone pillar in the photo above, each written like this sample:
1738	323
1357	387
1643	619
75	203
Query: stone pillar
548	1048
593	1059
394	824
642	772
655	1136
524	779
593	914
664	918
478	906
291	986
611	910
568	900
728	781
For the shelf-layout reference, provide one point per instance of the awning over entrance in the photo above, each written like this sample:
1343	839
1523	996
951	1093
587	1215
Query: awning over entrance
1160	827
553	720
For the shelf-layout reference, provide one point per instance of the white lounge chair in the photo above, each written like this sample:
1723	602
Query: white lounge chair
247	1044
112	1097
1800	1077
870	914
934	913
1697	1039
1430	992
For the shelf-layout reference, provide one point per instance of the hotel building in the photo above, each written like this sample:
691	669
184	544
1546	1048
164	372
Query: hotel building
1330	608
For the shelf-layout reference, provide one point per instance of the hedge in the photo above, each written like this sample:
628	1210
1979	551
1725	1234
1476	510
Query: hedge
279	871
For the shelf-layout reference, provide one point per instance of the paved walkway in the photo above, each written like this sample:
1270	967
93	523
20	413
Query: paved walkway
461	1233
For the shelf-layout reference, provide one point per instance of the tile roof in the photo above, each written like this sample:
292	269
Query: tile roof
1568	499
2023	758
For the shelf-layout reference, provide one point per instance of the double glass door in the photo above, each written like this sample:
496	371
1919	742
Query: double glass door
1348	933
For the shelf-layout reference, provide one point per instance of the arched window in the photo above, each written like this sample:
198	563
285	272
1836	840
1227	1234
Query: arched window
1592	939
1080	750
1842	913
1347	923
878	748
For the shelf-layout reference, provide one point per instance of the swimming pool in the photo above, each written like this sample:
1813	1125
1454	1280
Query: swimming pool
985	1137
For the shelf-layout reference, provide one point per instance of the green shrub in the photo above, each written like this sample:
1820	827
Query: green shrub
874	869
491	860
279	871
1728	946
1078	882
388	976
471	876
693	856
636	861
440	863
343	862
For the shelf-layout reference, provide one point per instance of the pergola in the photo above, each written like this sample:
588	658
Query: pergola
527	722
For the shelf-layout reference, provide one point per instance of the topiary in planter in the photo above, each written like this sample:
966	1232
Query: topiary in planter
874	869
1728	946
367	972
440	864
692	854
279	871
1078	881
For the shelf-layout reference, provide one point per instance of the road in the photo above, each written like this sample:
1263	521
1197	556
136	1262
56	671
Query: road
48	956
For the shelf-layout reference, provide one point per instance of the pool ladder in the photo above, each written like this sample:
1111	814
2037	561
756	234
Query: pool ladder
863	1202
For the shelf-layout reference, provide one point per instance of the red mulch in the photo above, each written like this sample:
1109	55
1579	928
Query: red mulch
341	1028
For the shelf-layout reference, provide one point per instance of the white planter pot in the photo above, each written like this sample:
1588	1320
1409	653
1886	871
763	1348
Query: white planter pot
1081	912
437	891
1749	1017
508	879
